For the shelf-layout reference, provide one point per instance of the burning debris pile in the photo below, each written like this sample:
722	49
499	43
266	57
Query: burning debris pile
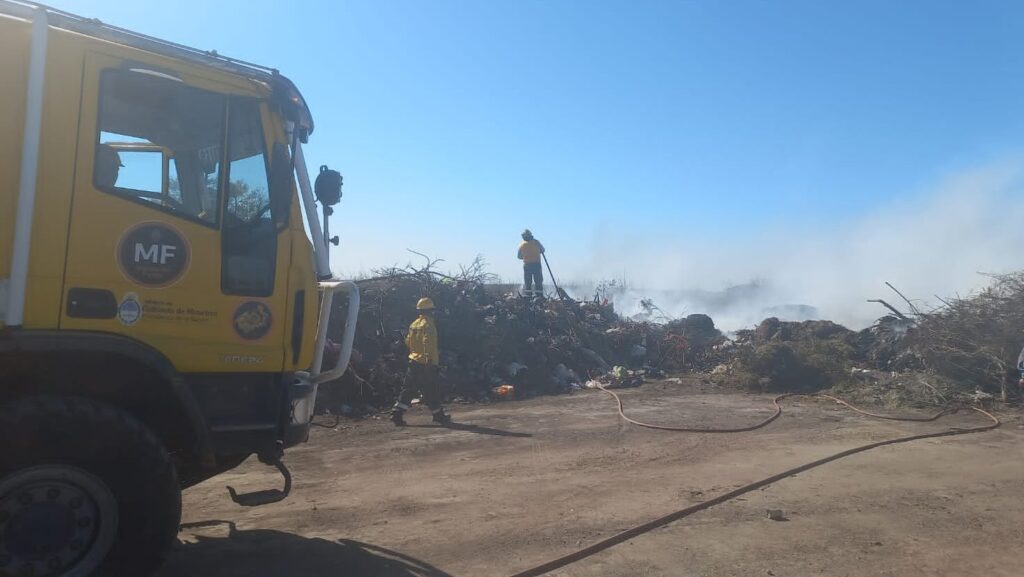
496	345
804	356
489	341
692	343
808	356
966	348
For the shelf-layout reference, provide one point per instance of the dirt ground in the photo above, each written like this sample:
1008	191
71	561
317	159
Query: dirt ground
522	482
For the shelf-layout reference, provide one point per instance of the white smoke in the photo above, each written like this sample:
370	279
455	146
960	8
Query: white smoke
936	243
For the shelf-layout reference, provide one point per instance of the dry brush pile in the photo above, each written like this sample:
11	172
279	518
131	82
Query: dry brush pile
974	341
965	348
487	340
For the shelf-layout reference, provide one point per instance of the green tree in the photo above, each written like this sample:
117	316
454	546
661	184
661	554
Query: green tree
246	201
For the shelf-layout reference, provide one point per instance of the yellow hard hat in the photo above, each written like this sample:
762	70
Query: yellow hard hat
425	304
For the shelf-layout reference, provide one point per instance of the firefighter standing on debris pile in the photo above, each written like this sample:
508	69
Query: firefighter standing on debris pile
530	251
422	376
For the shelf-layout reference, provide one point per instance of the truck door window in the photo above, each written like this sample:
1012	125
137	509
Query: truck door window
249	234
141	171
160	143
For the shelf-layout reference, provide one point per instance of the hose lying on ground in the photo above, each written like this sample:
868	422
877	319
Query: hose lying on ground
675	516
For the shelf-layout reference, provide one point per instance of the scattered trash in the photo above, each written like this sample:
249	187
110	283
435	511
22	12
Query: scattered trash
504	392
653	373
620	377
981	396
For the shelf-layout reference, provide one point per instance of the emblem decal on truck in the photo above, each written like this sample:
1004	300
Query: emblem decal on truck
153	255
252	320
130	310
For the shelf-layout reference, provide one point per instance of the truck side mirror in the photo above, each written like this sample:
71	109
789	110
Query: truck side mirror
281	181
328	186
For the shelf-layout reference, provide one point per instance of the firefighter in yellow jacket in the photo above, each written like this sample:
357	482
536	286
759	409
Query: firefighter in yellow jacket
422	376
530	252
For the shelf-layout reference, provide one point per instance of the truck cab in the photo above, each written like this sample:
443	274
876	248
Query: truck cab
165	291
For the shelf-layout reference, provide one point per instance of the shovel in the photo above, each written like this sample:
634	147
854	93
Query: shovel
561	293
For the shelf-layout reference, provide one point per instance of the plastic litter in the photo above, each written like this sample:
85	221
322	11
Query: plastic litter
504	392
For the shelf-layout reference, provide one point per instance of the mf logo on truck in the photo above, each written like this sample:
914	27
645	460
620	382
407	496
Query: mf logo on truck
153	255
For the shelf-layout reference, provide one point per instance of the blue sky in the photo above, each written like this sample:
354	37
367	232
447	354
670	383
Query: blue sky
633	125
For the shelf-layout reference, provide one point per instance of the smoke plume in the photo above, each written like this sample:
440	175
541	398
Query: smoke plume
935	243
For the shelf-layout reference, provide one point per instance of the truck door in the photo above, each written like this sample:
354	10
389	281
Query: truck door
174	239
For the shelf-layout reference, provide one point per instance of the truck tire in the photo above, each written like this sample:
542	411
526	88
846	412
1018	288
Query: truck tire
85	489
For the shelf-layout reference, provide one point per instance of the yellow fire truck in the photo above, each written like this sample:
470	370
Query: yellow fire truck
165	288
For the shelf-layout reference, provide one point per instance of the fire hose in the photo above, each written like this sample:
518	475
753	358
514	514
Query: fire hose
677	515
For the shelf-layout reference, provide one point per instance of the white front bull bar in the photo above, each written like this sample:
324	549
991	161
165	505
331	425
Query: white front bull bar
304	392
327	290
321	260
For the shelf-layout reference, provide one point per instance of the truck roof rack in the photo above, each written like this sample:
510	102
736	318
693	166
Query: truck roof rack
93	27
97	29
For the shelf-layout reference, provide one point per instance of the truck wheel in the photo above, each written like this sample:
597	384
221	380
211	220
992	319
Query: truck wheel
85	489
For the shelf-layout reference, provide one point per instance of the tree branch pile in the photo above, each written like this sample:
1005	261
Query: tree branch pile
974	341
487	340
554	346
967	347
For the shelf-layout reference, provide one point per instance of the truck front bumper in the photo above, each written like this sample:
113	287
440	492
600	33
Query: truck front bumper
259	413
301	400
